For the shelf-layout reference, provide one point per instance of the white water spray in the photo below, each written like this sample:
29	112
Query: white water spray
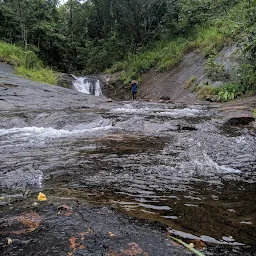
87	85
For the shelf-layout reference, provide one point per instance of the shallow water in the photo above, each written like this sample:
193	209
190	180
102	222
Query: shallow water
173	164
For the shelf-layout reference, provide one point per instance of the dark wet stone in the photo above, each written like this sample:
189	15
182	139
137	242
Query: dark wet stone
87	231
165	98
3	203
239	118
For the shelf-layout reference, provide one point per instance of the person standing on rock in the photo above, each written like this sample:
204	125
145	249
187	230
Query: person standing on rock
134	85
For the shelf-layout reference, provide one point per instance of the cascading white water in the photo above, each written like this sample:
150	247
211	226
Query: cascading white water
87	85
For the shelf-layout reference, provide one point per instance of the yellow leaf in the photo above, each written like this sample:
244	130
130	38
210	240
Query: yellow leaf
111	234
42	197
9	241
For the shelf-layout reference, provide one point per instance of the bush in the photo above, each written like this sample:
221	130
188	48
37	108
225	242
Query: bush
205	91
214	71
247	75
228	92
208	39
18	57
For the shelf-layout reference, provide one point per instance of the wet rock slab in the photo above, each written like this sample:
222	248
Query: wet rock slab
20	93
76	229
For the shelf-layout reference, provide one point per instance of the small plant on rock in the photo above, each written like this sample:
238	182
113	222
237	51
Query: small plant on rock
190	81
228	92
205	91
215	71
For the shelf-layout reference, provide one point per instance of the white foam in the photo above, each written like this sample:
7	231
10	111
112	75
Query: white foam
84	85
49	132
130	108
181	112
206	165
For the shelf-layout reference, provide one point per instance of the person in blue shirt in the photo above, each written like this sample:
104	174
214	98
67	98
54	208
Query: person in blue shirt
134	85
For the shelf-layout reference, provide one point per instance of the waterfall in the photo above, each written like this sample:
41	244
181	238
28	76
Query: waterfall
87	85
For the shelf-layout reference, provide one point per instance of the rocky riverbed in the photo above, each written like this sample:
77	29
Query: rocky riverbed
120	177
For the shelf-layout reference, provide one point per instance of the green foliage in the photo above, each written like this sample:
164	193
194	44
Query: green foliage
27	63
247	75
18	57
224	93
228	92
254	113
45	75
214	71
208	39
163	55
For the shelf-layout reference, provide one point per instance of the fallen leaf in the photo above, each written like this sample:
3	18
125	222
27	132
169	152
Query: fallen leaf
42	197
111	234
9	241
199	244
133	250
75	245
72	241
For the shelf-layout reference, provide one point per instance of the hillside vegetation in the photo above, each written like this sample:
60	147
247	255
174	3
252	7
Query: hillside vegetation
133	37
26	63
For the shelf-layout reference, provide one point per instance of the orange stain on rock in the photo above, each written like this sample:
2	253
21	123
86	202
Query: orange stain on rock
29	222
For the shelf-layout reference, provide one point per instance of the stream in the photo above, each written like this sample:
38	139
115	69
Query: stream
173	165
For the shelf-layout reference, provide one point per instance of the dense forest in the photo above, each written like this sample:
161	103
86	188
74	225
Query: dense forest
131	35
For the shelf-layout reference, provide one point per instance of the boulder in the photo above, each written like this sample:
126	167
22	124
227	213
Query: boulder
239	118
66	81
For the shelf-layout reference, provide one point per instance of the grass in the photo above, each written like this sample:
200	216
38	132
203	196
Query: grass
189	247
205	91
26	63
209	40
45	75
254	113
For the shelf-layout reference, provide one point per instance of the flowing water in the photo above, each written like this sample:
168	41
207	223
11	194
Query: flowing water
87	85
173	164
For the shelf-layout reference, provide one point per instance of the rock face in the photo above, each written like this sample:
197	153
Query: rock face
66	81
171	84
239	118
113	87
